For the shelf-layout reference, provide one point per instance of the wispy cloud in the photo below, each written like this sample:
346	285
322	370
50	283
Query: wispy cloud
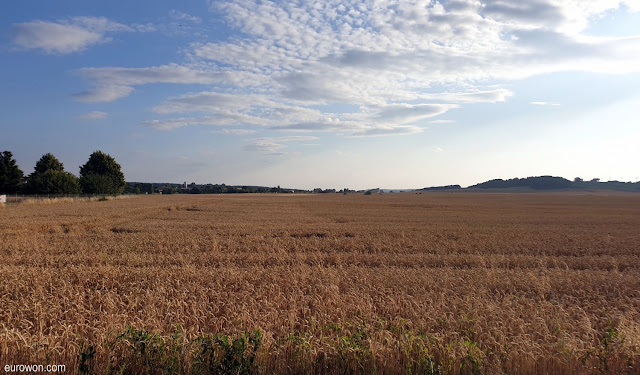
65	36
274	145
234	131
116	83
175	123
212	102
185	17
120	82
477	96
381	131
95	115
106	93
234	109
552	104
409	113
441	121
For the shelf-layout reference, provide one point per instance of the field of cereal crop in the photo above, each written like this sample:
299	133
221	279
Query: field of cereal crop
436	283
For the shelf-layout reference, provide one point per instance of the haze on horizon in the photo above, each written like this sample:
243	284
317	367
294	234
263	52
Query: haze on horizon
330	94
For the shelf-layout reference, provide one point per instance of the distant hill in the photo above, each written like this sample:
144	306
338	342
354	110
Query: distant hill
536	183
542	183
447	187
556	183
609	185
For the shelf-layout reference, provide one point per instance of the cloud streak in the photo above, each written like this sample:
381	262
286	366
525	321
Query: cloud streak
383	131
66	36
95	115
274	145
115	83
408	113
552	104
235	131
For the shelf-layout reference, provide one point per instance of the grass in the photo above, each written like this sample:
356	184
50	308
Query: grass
71	199
434	283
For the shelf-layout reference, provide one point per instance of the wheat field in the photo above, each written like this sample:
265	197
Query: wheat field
435	283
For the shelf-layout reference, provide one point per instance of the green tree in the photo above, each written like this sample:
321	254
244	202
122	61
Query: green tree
49	177
56	182
101	175
10	174
48	162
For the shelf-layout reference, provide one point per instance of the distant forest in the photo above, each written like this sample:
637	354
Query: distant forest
547	183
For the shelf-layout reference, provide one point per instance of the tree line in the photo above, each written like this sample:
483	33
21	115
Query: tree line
101	174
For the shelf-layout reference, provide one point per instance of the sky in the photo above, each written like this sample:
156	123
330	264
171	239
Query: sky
329	94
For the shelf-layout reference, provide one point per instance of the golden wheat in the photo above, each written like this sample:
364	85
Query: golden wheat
70	199
398	283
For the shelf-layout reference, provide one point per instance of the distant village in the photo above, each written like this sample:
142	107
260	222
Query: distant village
193	188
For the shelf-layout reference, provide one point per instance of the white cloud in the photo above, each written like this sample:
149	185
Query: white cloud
211	102
54	38
144	28
95	115
234	109
257	110
235	131
553	104
222	120
171	73
185	17
100	24
634	5
380	131
399	63
273	145
265	146
408	113
490	96
115	83
65	36
290	138
106	93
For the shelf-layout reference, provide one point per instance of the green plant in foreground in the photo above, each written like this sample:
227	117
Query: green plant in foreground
473	357
610	341
221	354
143	352
354	351
85	357
140	351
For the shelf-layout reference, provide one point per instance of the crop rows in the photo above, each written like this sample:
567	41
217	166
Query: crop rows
397	283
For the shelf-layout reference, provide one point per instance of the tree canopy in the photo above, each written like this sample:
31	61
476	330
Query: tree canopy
10	174
536	183
101	175
48	162
49	177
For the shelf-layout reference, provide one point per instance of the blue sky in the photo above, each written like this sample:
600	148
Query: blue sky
337	93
